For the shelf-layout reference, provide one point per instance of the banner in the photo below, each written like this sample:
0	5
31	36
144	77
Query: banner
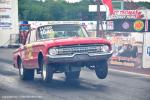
127	50
129	14
109	4
130	25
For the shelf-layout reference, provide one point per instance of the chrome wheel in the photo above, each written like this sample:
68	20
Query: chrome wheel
44	72
47	72
21	70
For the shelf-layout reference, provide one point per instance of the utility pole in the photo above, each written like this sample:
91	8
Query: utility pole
98	14
99	21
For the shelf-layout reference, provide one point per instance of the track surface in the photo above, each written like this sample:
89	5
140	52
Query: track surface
117	86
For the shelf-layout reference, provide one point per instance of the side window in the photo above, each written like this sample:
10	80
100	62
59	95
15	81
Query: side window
28	38
32	36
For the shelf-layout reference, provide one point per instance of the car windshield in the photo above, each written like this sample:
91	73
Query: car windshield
61	31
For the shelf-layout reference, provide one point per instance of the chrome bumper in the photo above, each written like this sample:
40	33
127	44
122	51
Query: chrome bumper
79	57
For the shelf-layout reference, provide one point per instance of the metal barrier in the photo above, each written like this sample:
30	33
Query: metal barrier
14	40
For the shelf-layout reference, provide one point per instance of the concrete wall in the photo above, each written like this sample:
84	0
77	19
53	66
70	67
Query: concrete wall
146	51
9	23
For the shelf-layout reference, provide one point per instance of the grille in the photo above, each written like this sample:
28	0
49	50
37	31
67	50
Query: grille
80	49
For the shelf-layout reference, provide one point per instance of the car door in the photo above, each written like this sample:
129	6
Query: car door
29	57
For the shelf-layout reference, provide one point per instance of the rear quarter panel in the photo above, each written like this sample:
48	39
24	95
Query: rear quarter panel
29	54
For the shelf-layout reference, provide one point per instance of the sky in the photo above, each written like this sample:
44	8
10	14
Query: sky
139	0
72	1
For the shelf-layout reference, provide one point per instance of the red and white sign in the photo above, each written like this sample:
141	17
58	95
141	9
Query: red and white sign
128	14
109	4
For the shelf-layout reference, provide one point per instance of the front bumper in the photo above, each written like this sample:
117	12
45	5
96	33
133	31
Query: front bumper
78	58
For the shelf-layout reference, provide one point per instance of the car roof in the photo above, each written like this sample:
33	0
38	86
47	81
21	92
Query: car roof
59	25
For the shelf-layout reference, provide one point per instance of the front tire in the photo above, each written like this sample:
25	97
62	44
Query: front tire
25	74
101	69
47	73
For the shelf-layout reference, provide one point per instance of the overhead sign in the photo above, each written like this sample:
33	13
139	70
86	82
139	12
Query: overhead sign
93	8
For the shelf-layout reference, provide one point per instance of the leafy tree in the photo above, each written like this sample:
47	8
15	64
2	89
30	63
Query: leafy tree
53	10
58	10
144	4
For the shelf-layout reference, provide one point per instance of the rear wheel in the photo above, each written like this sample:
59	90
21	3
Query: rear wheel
47	73
25	74
101	69
70	76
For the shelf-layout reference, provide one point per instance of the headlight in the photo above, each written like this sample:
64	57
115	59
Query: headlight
105	48
53	51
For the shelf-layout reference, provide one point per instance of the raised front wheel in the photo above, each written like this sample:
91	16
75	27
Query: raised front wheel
101	69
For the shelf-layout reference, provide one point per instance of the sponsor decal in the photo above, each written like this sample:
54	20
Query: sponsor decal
138	25
129	25
29	52
4	16
110	25
5	24
125	25
119	63
128	14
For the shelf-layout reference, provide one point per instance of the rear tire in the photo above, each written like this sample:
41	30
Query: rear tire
101	69
25	74
71	76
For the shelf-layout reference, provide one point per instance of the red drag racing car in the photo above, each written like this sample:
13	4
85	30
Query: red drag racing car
61	48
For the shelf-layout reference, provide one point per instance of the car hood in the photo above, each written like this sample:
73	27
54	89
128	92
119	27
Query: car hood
74	41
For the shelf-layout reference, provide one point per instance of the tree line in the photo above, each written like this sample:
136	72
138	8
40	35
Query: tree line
54	10
34	10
